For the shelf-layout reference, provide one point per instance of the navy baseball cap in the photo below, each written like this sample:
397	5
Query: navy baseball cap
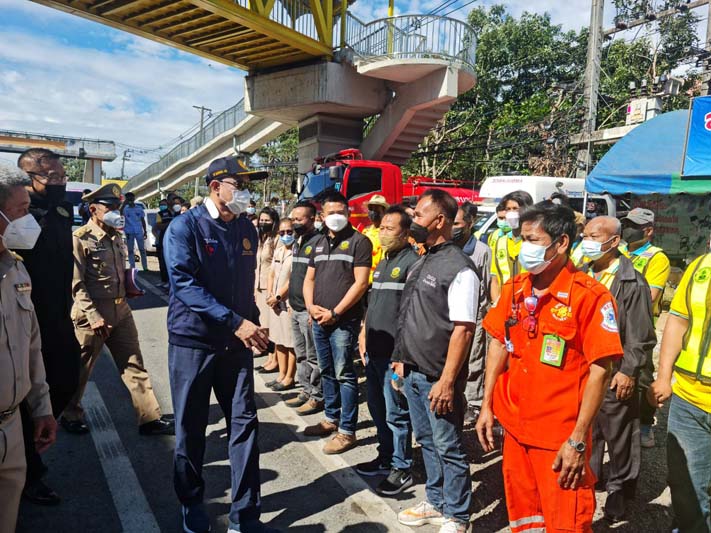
231	166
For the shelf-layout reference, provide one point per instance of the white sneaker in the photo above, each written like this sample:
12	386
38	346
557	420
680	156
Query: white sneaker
646	437
454	526
421	514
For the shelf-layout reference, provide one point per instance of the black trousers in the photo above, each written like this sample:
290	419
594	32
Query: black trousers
617	426
61	355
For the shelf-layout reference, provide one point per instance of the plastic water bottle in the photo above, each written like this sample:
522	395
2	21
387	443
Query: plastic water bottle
398	382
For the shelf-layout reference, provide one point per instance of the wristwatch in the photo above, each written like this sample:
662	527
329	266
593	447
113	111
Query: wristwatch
334	315
577	446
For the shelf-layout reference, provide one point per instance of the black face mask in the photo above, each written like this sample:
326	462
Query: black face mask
458	234
300	229
55	193
375	216
419	233
631	235
266	228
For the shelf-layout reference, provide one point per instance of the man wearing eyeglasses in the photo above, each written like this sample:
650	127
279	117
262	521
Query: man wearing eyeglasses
50	264
213	327
555	338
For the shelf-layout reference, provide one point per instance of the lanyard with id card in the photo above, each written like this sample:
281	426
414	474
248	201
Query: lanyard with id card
552	350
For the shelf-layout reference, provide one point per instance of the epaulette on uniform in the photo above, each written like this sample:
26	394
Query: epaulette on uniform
80	232
15	256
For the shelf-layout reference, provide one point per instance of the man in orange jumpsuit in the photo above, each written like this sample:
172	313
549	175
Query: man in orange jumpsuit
555	336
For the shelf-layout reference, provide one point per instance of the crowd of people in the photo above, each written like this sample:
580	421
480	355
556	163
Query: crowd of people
541	332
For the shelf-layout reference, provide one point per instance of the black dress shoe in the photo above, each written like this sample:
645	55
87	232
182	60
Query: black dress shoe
615	506
268	371
77	427
280	387
40	494
271	383
162	426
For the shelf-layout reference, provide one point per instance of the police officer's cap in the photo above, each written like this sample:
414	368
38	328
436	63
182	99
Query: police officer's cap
223	167
106	194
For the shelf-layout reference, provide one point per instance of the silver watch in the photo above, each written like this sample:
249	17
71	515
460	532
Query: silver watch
577	446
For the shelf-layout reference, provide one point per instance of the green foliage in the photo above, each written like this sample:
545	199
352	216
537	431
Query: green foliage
528	100
279	158
74	168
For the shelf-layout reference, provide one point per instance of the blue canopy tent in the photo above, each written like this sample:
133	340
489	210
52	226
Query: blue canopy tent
648	160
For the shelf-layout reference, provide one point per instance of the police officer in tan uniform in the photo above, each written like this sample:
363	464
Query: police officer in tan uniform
101	314
22	375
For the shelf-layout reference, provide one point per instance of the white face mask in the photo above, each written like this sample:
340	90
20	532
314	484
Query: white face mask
21	233
239	202
593	249
512	218
113	219
533	257
176	208
336	222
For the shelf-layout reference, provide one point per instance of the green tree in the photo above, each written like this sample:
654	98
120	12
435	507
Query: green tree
74	168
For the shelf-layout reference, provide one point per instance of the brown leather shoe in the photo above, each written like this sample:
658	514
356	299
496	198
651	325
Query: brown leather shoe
310	407
340	443
322	429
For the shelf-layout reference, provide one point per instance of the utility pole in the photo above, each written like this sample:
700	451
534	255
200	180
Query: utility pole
202	110
126	155
706	79
592	83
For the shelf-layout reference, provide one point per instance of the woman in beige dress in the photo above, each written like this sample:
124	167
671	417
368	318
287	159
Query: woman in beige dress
268	241
279	318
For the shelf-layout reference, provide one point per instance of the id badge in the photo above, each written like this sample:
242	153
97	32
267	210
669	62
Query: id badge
553	350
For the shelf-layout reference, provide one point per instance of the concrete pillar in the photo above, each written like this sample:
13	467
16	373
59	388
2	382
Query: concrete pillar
92	171
324	134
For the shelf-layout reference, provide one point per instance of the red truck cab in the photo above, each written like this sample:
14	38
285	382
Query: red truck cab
359	180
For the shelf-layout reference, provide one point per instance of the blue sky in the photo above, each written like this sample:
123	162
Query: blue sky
61	74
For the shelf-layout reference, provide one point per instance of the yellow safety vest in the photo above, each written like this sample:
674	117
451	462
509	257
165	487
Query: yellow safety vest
493	237
505	264
695	357
641	261
577	257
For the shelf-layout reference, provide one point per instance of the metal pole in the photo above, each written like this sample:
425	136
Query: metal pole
202	110
592	82
391	14
123	162
344	22
707	45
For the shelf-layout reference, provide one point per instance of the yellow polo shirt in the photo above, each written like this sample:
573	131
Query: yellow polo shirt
686	387
373	235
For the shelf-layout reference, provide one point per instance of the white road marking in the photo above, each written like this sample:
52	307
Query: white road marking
352	484
129	500
358	491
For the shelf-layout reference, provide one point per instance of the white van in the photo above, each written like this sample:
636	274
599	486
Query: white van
540	188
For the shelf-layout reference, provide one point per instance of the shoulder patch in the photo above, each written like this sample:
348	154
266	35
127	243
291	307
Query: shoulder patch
81	231
308	250
344	245
702	275
609	321
395	272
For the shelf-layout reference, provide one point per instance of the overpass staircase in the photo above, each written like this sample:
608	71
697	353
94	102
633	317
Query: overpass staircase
421	63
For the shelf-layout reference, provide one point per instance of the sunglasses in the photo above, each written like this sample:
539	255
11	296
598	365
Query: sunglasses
530	323
286	232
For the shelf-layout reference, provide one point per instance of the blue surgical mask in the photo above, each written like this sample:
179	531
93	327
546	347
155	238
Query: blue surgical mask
503	225
533	257
593	249
288	240
163	207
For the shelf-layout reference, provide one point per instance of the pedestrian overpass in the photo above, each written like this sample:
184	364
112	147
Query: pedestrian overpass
379	86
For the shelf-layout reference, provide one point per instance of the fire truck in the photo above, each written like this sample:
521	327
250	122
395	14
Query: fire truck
359	180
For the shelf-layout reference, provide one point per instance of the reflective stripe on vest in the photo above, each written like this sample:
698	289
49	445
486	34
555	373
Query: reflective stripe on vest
577	256
641	261
503	265
695	359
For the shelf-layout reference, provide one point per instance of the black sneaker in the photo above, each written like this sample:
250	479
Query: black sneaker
163	426
395	483
376	467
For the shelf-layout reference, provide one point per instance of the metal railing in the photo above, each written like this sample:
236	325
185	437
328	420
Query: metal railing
413	37
294	14
222	122
403	37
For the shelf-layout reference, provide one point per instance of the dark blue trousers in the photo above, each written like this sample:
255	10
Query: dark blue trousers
194	373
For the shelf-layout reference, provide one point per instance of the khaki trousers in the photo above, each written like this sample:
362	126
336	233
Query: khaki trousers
124	347
12	471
